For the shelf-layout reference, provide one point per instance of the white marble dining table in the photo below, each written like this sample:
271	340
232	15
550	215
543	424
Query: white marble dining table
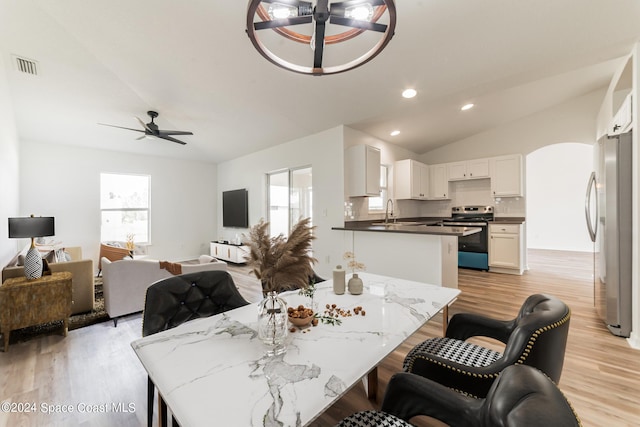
215	371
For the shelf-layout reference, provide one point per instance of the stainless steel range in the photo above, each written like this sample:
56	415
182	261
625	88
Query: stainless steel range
473	250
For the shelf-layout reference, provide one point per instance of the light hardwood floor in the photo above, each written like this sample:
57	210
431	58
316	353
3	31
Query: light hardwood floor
96	366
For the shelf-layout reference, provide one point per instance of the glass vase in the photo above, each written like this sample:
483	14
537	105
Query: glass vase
272	323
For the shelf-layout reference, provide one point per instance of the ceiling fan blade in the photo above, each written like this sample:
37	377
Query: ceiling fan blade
262	25
121	127
168	138
144	125
354	23
174	132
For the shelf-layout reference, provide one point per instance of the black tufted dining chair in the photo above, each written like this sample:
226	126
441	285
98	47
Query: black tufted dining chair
521	396
537	336
175	300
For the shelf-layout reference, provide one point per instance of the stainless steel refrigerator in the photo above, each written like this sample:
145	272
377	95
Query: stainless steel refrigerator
608	214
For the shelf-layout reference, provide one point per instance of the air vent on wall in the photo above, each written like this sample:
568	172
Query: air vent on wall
25	65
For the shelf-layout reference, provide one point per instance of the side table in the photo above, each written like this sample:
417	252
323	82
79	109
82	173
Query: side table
26	302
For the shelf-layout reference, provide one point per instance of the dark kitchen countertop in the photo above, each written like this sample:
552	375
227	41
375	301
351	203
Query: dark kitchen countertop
412	229
508	220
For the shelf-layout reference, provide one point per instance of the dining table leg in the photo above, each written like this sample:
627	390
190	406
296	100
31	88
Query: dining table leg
445	320
372	384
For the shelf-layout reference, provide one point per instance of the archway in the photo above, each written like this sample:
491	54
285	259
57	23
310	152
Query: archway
556	179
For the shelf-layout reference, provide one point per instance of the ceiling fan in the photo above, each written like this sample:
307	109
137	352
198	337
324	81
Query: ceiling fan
151	130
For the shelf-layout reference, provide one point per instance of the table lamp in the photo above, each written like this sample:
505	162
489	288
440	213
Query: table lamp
31	227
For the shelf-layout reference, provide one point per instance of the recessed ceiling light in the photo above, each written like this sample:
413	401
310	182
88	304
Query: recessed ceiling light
395	133
466	107
409	93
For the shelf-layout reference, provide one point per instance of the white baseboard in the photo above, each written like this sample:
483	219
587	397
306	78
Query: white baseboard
634	340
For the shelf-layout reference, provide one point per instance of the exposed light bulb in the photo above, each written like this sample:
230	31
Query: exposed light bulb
282	11
395	133
361	12
466	107
409	93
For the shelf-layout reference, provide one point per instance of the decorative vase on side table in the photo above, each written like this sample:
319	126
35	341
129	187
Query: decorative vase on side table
272	323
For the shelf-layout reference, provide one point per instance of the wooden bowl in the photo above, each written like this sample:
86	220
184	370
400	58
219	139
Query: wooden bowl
301	322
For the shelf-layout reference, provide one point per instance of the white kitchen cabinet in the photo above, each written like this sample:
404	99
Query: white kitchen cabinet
231	253
506	248
506	176
438	182
362	166
470	169
457	171
411	180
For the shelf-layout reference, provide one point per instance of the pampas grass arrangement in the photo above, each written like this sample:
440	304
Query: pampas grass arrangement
281	263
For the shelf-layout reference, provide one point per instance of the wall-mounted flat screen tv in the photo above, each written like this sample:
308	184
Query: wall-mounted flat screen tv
235	208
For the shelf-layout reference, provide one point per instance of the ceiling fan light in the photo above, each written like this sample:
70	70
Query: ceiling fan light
360	12
282	11
466	107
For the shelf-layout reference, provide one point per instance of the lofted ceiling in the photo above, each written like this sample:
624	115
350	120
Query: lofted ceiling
111	61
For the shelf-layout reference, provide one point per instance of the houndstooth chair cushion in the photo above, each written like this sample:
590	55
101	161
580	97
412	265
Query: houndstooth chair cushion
461	352
372	419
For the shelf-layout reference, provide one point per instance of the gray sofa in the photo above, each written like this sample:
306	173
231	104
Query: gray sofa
125	282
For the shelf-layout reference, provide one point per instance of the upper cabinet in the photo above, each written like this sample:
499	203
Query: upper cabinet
411	180
471	169
506	176
418	181
362	164
438	182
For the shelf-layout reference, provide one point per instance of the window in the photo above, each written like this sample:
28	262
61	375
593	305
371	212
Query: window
290	198
124	207
377	204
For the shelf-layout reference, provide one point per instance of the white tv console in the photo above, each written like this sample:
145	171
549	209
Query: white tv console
229	252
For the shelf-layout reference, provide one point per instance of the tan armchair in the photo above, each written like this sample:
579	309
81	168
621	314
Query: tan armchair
82	284
112	253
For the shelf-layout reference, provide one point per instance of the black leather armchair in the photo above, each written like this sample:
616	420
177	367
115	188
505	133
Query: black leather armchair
175	300
521	396
536	337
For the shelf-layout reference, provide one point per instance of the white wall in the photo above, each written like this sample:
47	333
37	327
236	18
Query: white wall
324	152
64	182
574	120
8	168
556	182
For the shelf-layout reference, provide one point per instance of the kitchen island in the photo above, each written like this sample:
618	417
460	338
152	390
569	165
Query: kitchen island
409	250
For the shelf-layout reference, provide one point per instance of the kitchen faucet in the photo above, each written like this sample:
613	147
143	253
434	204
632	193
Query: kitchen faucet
386	212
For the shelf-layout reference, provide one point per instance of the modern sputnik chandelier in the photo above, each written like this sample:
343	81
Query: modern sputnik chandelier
373	22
